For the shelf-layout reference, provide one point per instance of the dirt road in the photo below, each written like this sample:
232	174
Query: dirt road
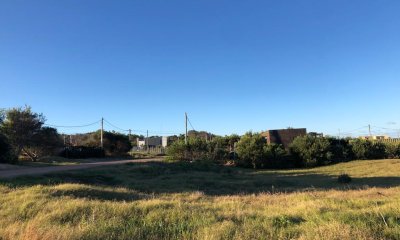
27	171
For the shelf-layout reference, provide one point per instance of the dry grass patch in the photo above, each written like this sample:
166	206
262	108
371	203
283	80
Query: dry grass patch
182	206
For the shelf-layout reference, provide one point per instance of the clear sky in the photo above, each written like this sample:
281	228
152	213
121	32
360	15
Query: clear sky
233	66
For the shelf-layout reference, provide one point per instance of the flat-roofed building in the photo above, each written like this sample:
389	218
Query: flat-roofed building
283	136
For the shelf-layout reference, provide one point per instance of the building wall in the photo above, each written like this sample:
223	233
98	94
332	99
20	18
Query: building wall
375	137
164	141
153	142
140	143
283	136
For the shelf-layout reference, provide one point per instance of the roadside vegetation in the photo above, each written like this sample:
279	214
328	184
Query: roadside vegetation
232	187
24	136
252	151
184	200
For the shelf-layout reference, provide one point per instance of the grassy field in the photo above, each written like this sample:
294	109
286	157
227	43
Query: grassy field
200	201
60	161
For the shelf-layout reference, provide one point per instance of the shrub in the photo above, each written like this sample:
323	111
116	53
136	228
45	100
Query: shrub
344	178
218	149
250	150
177	151
365	149
392	150
277	157
340	149
195	149
378	150
82	152
6	151
311	151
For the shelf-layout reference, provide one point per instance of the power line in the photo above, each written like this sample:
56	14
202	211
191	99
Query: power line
77	126
190	124
116	127
354	130
112	125
138	130
395	129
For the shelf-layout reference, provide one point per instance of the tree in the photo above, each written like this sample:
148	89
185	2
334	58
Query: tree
114	143
365	149
22	127
341	149
232	140
6	152
310	150
218	149
46	142
250	150
392	150
178	150
276	156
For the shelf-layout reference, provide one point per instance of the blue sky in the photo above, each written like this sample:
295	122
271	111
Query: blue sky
233	66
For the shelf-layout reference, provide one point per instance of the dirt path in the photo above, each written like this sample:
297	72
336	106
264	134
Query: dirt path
11	173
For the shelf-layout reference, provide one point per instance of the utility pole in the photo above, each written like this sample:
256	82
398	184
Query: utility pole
186	132
369	130
129	136
339	134
101	133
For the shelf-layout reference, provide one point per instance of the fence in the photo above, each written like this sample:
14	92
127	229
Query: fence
390	140
151	150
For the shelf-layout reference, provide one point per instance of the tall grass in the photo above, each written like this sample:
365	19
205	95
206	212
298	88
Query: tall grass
173	201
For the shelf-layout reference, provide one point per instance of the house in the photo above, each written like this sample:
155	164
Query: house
375	137
283	136
152	142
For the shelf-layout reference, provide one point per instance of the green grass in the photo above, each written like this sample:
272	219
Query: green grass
201	201
60	161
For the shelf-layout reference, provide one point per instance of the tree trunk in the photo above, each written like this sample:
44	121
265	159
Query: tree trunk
32	156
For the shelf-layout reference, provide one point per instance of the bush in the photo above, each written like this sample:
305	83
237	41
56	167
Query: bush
6	151
195	149
82	152
251	152
311	151
218	149
177	151
364	149
340	149
392	150
344	178
254	152
277	157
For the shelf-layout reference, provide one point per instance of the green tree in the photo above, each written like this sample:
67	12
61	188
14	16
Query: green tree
250	150
114	143
392	150
6	152
365	149
218	149
22	127
311	150
46	142
276	156
178	150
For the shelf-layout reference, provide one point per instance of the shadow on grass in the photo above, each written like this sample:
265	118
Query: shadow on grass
214	180
99	194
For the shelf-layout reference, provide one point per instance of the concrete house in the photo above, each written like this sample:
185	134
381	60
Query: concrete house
283	136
